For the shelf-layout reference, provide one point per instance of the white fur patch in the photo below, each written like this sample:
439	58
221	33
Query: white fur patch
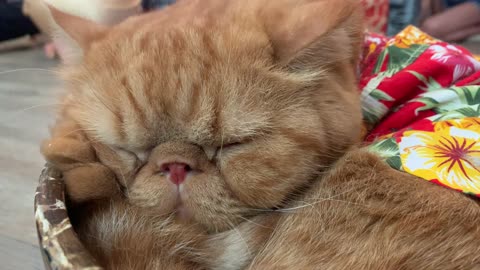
235	255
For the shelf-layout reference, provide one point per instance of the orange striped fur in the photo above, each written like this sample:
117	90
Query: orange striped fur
260	98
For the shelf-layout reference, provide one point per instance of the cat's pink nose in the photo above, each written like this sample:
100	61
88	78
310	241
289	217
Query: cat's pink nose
176	172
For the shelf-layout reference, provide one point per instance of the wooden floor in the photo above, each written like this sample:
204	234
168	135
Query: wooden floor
27	93
26	96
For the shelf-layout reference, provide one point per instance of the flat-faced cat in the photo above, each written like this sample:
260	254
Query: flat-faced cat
221	134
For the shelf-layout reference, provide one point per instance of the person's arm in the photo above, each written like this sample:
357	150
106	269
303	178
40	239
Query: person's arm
455	23
103	11
38	13
430	8
114	11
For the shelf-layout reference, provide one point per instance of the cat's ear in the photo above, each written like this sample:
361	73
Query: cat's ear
73	34
311	34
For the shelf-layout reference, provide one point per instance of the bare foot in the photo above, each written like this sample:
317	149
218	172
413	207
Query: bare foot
53	50
50	50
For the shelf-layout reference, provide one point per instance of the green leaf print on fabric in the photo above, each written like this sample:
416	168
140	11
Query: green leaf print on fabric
373	109
395	162
400	58
469	94
456	100
430	84
380	95
467	111
442	100
429	102
380	61
388	150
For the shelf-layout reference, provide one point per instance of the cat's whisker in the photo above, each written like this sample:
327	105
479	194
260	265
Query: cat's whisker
80	129
260	210
331	198
19	112
234	229
178	247
253	222
54	72
268	245
288	210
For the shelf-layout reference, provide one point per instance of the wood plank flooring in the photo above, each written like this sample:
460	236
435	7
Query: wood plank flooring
26	95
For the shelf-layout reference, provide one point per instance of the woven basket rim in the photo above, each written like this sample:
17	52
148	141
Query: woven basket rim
59	244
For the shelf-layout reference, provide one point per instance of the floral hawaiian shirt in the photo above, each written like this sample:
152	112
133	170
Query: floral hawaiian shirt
421	107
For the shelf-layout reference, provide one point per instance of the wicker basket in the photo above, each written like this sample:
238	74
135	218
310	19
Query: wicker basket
59	244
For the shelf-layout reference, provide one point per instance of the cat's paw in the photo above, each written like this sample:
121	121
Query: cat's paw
85	177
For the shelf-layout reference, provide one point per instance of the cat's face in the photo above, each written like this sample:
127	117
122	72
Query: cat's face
204	119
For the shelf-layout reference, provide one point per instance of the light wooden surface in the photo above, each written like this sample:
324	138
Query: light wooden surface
26	96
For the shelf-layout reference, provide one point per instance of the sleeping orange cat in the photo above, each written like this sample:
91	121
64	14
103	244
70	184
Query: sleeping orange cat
223	134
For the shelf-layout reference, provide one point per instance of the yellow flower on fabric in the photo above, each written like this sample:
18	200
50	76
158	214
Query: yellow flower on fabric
411	35
471	123
450	155
372	48
403	41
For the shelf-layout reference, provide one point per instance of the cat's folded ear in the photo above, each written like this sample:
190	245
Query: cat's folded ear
312	34
73	33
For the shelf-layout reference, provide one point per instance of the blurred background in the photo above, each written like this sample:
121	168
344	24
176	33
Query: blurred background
28	91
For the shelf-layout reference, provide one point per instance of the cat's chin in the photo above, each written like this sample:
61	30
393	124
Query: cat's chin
190	212
202	198
183	214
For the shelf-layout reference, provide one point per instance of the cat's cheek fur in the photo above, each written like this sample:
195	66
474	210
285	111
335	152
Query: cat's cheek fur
211	203
264	174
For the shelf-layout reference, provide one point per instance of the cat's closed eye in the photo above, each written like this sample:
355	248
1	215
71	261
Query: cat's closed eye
228	146
213	151
141	156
